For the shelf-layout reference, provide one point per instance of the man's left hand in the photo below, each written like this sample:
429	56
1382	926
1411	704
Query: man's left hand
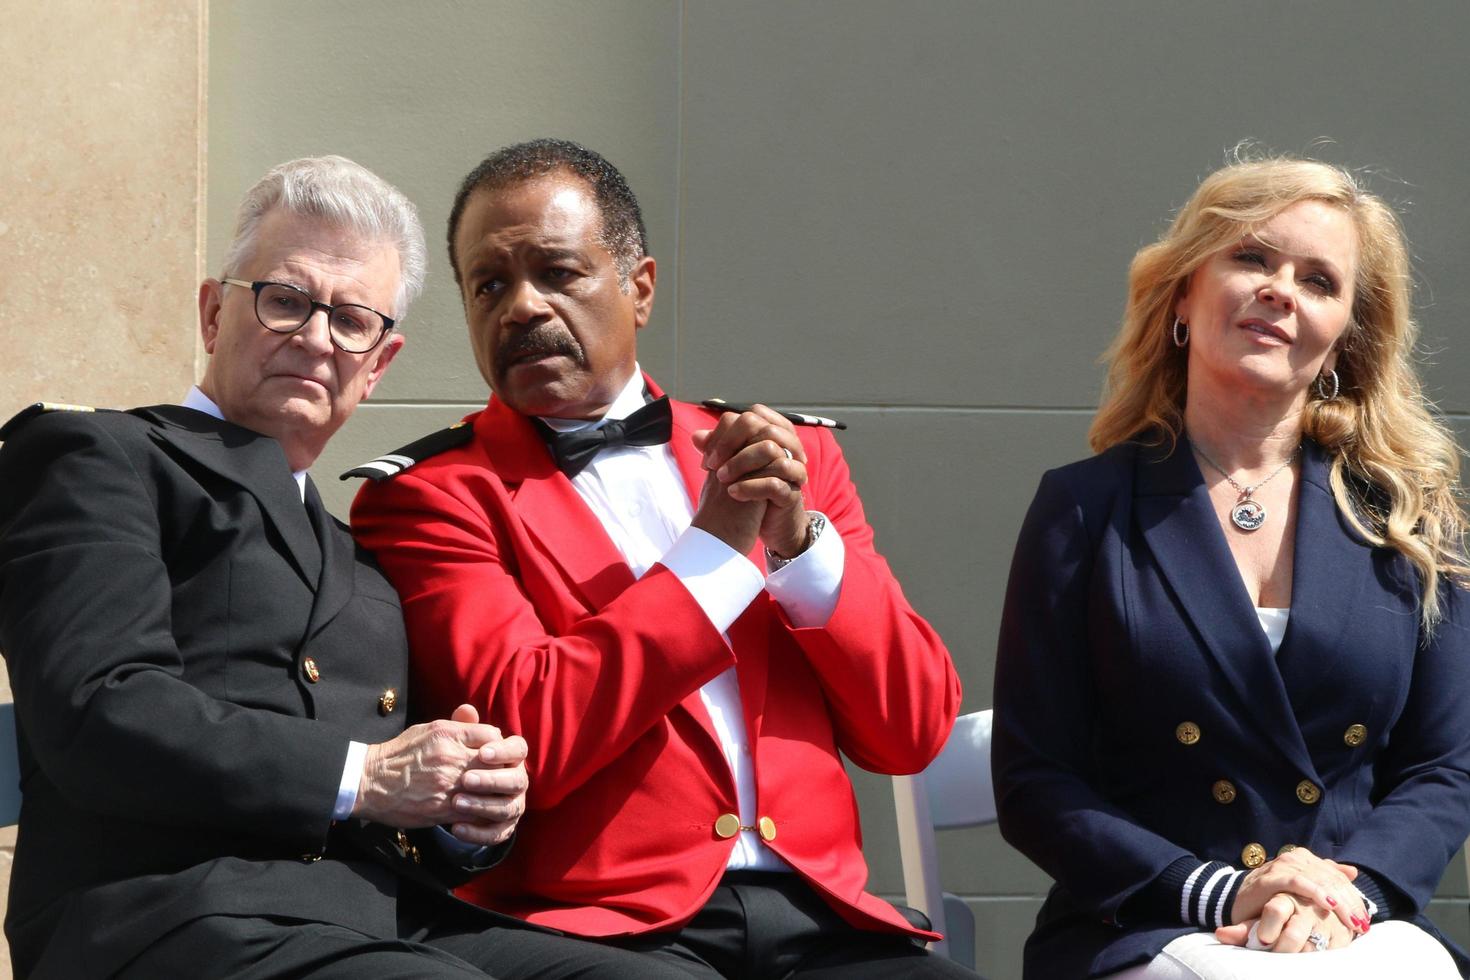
495	788
757	455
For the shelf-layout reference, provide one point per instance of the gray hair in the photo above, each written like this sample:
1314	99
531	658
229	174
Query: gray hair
339	191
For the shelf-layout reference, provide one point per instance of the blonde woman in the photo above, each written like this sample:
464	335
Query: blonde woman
1233	687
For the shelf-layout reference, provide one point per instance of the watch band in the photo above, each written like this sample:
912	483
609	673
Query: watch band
815	523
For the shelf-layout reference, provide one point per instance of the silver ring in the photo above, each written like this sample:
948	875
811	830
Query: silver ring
1318	940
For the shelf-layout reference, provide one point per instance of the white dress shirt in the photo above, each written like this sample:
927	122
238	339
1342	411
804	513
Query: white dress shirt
1273	621
638	495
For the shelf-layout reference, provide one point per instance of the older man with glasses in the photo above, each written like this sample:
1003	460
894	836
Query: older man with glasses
209	676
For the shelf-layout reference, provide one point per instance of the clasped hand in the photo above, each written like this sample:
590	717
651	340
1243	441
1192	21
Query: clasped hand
455	772
1290	898
757	467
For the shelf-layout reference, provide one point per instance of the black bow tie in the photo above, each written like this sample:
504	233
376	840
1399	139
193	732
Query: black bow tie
651	425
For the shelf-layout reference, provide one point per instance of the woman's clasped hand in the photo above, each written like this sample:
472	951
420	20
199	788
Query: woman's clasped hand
1286	904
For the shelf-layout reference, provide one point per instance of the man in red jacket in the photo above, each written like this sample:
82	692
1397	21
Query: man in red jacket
680	610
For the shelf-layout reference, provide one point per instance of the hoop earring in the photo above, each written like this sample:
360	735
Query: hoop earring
1180	340
1322	386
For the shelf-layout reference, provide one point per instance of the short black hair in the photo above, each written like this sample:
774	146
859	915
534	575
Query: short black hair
623	233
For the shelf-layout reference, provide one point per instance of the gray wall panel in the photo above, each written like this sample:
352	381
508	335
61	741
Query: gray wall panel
946	492
937	205
420	93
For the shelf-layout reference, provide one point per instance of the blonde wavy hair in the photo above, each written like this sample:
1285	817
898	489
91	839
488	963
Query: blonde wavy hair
1395	466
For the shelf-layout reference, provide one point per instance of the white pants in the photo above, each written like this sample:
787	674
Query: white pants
1389	950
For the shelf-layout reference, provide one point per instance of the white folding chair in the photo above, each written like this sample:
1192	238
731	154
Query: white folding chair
955	791
9	768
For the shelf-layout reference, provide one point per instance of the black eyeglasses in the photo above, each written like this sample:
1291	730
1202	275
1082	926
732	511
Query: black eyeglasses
283	308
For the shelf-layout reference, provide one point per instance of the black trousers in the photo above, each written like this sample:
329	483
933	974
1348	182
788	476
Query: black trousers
764	925
438	939
756	925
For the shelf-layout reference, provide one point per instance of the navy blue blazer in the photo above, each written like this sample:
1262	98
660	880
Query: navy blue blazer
1133	676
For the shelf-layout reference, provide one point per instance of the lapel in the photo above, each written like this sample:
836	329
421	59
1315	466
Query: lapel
1329	573
550	507
1178	522
338	563
249	460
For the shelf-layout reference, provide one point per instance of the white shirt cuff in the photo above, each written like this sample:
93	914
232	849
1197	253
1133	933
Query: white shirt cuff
721	580
807	587
351	779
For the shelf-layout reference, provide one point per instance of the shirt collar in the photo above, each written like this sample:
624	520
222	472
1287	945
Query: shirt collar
200	402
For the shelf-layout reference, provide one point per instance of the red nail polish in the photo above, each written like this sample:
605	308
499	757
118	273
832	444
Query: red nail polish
1331	902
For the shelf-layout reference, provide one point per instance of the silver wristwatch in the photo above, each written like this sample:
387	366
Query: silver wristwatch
815	523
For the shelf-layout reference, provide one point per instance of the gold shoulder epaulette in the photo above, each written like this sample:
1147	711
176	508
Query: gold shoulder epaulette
391	464
39	408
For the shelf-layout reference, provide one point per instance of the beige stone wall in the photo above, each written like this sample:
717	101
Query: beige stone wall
100	216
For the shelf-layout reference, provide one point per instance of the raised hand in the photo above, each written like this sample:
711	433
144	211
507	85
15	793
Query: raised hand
756	457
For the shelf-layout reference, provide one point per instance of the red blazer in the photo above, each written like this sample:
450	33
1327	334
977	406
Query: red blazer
518	602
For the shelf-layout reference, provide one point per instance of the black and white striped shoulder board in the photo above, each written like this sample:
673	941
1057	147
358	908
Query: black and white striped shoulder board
391	464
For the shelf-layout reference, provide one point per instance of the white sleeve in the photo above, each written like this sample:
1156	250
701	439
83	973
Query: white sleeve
351	779
721	580
807	587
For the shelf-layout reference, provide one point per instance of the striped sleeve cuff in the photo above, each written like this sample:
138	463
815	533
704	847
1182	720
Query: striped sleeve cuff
1207	893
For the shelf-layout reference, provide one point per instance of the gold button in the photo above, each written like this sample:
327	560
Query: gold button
1224	791
1286	847
727	826
308	667
767	827
1187	733
407	848
388	702
1354	736
1307	792
1253	855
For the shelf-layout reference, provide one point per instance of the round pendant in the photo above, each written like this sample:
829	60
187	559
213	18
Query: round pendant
1248	515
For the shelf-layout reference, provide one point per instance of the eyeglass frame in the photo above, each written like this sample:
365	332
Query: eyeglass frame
260	284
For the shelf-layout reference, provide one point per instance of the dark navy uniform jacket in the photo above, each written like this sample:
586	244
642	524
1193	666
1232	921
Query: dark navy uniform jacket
1141	717
191	650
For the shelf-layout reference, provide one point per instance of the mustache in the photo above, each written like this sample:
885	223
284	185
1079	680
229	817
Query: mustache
541	342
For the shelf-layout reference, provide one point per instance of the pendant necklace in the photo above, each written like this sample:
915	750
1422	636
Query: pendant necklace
1247	514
